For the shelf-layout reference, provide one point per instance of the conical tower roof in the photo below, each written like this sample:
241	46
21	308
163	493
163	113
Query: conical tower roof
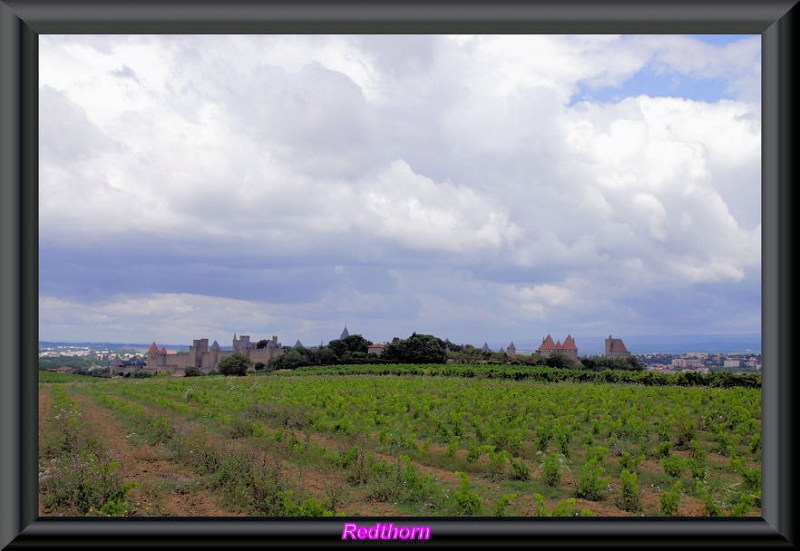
569	343
547	343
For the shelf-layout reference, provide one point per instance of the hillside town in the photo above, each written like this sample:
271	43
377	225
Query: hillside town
115	359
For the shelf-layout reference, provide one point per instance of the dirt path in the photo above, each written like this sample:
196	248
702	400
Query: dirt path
166	488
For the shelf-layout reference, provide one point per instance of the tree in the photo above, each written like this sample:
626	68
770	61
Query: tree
416	349
560	361
356	343
323	356
294	358
262	343
339	348
192	371
237	365
352	346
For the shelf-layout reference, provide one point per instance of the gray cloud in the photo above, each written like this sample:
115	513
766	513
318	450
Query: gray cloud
399	182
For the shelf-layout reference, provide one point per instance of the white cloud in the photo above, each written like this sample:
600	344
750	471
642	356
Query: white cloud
468	152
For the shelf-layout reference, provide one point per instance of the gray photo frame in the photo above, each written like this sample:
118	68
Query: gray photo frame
21	21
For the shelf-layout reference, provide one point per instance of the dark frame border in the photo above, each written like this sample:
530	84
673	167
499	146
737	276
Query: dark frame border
21	21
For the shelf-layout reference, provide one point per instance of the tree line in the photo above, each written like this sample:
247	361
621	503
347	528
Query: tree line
418	348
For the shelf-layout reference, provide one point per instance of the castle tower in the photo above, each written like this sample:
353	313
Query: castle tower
615	348
570	348
215	348
511	350
152	356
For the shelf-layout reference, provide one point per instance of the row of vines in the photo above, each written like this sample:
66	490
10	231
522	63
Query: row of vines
451	445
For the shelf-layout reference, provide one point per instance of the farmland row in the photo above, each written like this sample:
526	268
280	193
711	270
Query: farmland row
519	438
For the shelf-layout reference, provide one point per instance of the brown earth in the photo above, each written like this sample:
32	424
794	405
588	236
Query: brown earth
166	488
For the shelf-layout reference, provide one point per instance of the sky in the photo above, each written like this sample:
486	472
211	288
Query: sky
488	188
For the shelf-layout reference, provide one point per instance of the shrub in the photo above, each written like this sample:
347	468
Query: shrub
697	469
670	500
192	371
502	503
539	510
755	443
591	481
629	462
686	431
598	454
497	463
236	365
710	507
673	466
630	491
520	469
452	447
467	501
551	473
752	478
745	504
565	508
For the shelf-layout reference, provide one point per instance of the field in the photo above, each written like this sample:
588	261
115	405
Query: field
386	444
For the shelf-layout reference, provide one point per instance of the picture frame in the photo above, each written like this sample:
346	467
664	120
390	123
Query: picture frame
22	21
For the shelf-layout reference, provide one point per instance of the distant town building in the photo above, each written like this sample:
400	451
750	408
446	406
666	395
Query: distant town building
116	364
615	348
687	362
549	347
376	349
485	348
345	334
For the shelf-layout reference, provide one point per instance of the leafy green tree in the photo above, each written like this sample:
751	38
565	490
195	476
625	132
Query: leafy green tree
323	356
533	359
356	343
339	348
192	371
416	349
236	364
560	361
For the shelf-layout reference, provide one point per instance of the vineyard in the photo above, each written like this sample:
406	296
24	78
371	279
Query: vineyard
410	441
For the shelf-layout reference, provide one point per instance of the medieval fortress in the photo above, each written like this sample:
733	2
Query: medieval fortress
206	358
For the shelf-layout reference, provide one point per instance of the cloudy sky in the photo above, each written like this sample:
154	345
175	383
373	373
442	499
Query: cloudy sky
479	188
